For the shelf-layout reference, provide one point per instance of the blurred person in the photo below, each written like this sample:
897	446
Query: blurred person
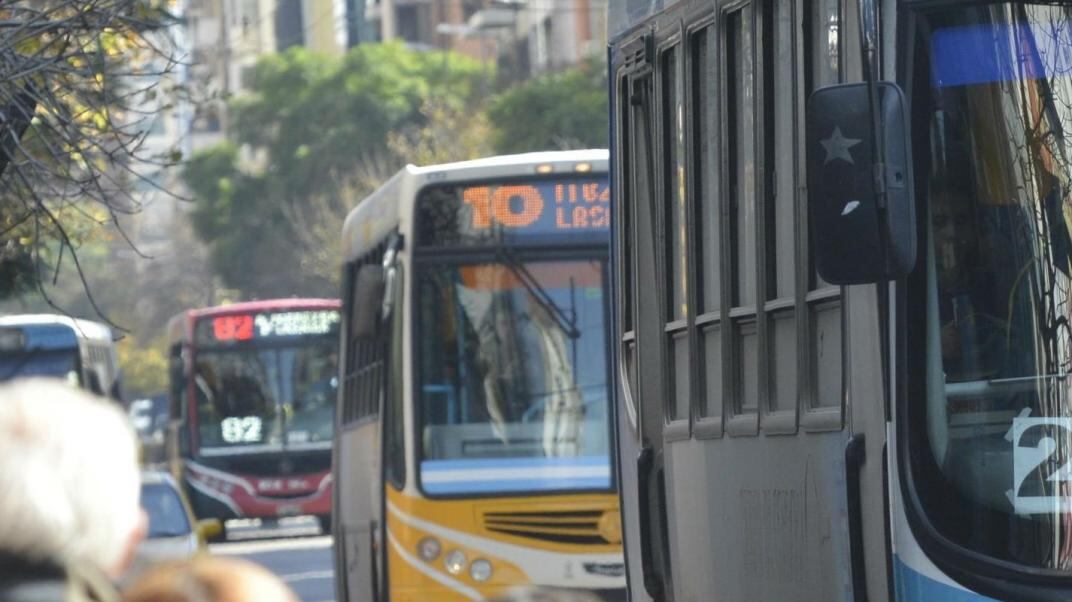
209	579
973	329
69	482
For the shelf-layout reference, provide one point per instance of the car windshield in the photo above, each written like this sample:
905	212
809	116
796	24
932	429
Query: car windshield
513	377
259	399
62	363
995	476
167	515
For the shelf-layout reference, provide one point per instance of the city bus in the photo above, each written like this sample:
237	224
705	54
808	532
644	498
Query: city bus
78	351
843	249
474	432
251	408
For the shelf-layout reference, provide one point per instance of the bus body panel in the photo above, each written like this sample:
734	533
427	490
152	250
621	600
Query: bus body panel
464	525
628	450
866	417
915	576
359	517
227	495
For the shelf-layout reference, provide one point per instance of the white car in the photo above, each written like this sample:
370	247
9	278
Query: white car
173	533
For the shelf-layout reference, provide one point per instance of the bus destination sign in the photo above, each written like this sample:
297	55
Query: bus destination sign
266	325
480	213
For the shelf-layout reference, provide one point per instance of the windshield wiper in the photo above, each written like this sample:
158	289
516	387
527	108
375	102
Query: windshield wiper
568	324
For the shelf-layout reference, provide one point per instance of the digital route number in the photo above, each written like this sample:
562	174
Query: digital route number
247	327
582	205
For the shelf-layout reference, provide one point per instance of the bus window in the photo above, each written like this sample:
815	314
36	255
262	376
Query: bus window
501	378
999	350
236	403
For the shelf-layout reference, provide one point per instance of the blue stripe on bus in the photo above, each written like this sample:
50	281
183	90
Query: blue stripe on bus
594	473
517	485
913	586
432	465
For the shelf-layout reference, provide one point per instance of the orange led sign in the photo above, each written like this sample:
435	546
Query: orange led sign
543	207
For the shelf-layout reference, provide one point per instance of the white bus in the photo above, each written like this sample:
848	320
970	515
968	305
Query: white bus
81	352
473	436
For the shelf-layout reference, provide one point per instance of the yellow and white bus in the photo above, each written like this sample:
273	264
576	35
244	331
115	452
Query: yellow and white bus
473	449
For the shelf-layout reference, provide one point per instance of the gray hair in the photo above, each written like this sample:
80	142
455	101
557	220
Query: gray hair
69	480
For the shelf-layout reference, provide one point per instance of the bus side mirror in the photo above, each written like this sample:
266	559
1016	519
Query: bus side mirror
862	214
371	282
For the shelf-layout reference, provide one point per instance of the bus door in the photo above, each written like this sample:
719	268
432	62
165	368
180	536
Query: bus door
639	449
760	465
358	508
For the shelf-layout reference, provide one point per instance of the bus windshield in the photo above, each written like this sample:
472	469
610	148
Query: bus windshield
267	398
513	377
995	477
58	363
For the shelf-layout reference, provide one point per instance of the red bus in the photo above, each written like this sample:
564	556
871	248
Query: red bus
252	404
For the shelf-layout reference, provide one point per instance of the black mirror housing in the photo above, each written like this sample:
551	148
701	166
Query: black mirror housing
369	288
859	237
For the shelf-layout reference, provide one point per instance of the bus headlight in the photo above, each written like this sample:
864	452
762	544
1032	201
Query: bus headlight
455	562
480	570
428	549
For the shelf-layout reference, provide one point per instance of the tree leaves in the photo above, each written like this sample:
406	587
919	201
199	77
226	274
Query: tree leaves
306	128
67	63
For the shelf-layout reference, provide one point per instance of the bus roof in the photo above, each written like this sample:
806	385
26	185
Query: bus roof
381	212
86	329
178	325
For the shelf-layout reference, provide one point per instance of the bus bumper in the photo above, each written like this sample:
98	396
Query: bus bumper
217	494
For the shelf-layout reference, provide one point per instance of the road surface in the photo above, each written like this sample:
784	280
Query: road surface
296	552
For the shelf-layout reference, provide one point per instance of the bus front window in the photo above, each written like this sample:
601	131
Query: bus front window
273	397
313	379
237	399
995	476
513	377
62	363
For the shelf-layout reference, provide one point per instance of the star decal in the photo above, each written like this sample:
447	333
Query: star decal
837	147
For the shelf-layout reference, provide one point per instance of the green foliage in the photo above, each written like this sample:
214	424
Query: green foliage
307	126
16	268
556	111
144	366
67	95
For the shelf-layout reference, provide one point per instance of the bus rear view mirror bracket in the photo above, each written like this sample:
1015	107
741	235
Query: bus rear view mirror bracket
860	187
368	301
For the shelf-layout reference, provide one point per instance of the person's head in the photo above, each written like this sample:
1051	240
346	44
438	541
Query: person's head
69	478
209	579
956	238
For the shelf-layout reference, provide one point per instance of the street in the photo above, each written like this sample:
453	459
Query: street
295	551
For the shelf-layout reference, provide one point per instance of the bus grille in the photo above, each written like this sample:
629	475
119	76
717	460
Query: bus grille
570	527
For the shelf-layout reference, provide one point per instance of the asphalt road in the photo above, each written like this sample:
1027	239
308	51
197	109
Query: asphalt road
296	552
